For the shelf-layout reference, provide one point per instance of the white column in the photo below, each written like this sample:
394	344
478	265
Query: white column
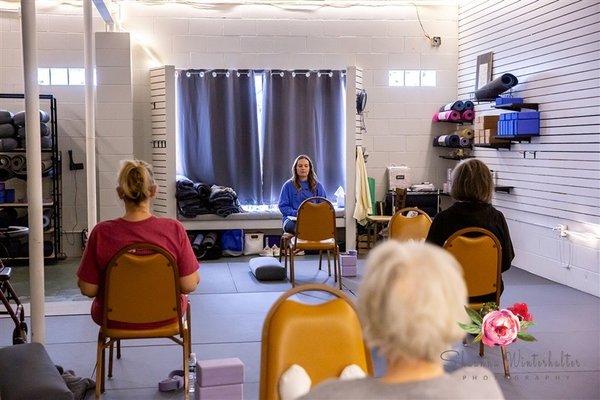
90	124
34	171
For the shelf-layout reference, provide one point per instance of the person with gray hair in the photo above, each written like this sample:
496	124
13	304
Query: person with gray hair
412	296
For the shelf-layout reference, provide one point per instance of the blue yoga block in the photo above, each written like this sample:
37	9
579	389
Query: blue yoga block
528	115
527	127
508	100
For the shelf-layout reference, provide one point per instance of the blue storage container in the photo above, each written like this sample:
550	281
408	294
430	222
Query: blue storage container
508	100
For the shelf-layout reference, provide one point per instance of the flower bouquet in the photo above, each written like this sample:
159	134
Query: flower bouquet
495	327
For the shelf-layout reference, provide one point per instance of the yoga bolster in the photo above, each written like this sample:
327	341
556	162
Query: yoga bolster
45	142
44	131
457	106
469	105
8	144
6	117
451	115
496	87
7	131
468	115
19	118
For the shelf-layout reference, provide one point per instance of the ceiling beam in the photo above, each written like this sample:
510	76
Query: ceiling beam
104	12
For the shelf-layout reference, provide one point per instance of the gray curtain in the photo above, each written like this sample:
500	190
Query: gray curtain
218	130
303	115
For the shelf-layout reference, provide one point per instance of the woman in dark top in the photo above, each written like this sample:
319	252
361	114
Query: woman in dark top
472	187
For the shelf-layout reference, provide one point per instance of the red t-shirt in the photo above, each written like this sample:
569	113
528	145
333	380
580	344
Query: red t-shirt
108	237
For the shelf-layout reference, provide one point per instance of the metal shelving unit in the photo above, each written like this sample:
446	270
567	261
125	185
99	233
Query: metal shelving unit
56	179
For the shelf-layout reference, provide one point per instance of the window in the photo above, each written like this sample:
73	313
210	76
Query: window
43	76
59	76
412	78
76	76
396	78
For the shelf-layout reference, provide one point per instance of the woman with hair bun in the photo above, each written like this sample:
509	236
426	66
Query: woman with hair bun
136	187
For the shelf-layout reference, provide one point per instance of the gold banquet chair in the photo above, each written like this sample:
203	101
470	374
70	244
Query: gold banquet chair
322	338
315	230
142	287
403	227
480	254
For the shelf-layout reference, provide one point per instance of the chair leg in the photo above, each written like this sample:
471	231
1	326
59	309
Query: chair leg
505	362
119	349
99	362
329	263
292	278
465	341
336	264
481	349
320	258
281	243
110	358
186	368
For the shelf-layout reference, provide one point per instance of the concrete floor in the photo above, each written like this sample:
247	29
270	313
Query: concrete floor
229	307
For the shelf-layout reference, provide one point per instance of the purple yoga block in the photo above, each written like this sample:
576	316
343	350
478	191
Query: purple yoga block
347	259
224	371
348	270
223	392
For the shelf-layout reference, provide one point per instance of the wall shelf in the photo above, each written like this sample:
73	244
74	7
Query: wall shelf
499	145
503	189
516	138
516	106
456	158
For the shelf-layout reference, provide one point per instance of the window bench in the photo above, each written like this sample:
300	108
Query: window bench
249	220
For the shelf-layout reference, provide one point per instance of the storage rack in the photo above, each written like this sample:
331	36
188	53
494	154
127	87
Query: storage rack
56	203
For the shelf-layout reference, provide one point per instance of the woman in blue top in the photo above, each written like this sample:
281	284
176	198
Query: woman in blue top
300	187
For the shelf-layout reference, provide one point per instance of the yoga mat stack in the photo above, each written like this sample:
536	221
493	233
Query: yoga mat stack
496	87
457	111
21	130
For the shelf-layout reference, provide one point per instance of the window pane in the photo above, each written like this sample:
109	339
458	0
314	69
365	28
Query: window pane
59	76
43	76
396	78
411	78
428	78
76	76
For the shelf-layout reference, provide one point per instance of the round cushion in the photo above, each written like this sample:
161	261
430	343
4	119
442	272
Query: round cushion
267	269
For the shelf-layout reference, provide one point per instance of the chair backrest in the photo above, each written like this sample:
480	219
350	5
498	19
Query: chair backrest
316	220
141	286
322	338
480	254
403	227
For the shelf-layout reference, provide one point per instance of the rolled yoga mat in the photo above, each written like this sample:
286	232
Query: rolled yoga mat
496	87
469	105
451	115
19	118
44	131
18	163
47	169
7	131
468	115
6	117
468	133
46	220
457	106
464	142
8	144
447	141
5	171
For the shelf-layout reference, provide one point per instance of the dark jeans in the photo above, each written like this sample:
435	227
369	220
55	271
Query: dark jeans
289	226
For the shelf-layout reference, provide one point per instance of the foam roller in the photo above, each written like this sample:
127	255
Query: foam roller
496	87
7	131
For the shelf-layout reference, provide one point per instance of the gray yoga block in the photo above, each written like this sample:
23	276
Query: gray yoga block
224	371
223	392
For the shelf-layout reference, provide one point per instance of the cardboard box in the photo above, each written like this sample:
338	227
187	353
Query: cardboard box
486	122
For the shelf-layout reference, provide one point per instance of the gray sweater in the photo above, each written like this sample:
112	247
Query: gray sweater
466	383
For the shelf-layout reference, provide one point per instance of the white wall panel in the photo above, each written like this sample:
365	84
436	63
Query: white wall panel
553	47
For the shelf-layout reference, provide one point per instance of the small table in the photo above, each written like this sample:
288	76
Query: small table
375	221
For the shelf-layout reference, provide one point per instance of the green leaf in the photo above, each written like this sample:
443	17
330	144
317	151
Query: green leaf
526	337
478	337
470	328
474	315
526	324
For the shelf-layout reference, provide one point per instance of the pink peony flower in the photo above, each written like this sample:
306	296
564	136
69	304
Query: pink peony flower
500	328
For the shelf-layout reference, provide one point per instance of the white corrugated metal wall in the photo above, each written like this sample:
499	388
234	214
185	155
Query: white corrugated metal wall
553	47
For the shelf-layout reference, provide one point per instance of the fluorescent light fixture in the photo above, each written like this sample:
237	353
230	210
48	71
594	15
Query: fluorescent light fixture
396	78
77	76
43	76
428	78
412	78
59	76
